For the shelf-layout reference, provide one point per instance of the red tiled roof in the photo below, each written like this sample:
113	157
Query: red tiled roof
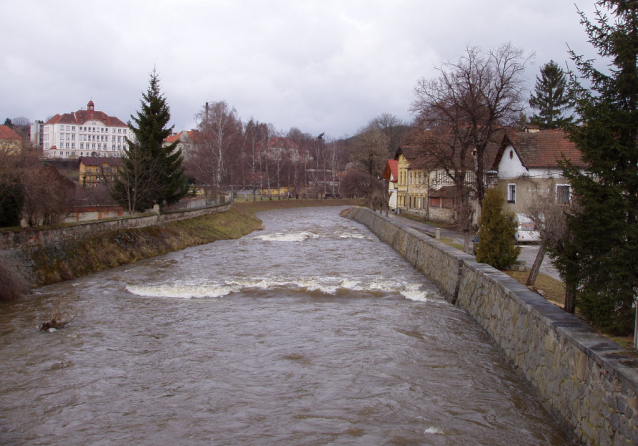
82	116
7	132
419	159
391	167
100	160
541	149
171	139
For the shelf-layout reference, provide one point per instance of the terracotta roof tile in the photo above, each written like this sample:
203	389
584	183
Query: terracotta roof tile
100	160
542	149
81	116
7	132
391	167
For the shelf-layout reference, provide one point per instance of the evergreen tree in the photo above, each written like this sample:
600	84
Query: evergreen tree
152	172
550	98
602	258
497	230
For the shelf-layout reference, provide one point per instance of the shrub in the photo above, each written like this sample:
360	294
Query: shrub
497	229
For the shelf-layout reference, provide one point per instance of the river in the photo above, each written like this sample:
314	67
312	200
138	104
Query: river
309	332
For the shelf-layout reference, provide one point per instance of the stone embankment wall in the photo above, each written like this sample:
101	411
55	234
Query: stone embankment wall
26	237
587	381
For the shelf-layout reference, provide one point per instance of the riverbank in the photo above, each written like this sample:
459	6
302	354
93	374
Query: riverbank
86	255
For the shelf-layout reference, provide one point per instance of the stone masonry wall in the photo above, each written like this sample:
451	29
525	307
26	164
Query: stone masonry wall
587	381
25	237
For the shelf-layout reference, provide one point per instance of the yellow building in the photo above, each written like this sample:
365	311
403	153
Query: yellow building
99	170
10	141
413	180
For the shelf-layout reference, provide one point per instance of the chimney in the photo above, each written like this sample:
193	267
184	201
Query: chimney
206	119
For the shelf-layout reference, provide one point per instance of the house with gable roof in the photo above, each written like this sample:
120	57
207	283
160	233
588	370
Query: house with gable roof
391	175
10	141
185	142
527	166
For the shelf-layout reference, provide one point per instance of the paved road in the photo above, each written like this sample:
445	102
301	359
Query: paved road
528	252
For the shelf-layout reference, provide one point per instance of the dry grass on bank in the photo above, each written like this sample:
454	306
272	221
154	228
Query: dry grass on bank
267	205
554	291
548	287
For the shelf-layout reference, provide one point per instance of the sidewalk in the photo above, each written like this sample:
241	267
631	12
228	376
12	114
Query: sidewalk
453	234
528	252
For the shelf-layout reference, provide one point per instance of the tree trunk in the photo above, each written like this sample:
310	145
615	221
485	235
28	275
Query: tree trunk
533	273
466	242
570	306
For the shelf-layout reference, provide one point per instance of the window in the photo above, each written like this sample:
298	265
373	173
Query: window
511	193
73	128
563	193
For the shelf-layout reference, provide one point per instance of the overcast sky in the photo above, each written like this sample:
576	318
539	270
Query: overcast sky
322	66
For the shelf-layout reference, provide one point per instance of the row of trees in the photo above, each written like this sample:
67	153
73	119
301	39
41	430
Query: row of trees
32	190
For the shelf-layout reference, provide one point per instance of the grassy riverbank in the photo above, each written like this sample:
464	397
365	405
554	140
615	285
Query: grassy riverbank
88	255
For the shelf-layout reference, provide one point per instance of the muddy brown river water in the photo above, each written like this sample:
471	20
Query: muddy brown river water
310	332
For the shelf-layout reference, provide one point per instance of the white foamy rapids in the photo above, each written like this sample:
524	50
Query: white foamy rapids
433	430
413	292
182	291
324	285
287	237
351	235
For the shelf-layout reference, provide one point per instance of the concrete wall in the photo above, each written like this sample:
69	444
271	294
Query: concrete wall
587	381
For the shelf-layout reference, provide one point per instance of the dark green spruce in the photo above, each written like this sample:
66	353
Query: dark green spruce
550	98
152	173
602	253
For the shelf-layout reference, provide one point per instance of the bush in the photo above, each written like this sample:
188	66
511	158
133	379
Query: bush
497	229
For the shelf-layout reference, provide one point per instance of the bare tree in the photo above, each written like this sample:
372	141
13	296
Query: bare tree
369	152
550	219
472	99
48	196
220	132
391	126
255	139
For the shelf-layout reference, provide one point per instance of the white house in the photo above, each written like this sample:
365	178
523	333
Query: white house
527	166
391	175
84	133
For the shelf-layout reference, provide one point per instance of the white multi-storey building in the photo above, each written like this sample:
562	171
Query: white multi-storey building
85	133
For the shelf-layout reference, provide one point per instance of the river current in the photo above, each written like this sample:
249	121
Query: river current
310	332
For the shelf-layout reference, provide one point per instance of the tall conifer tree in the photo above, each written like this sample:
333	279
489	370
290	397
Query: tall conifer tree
152	172
550	98
602	258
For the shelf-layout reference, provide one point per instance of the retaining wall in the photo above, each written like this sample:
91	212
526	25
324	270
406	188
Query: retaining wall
18	245
27	237
587	381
